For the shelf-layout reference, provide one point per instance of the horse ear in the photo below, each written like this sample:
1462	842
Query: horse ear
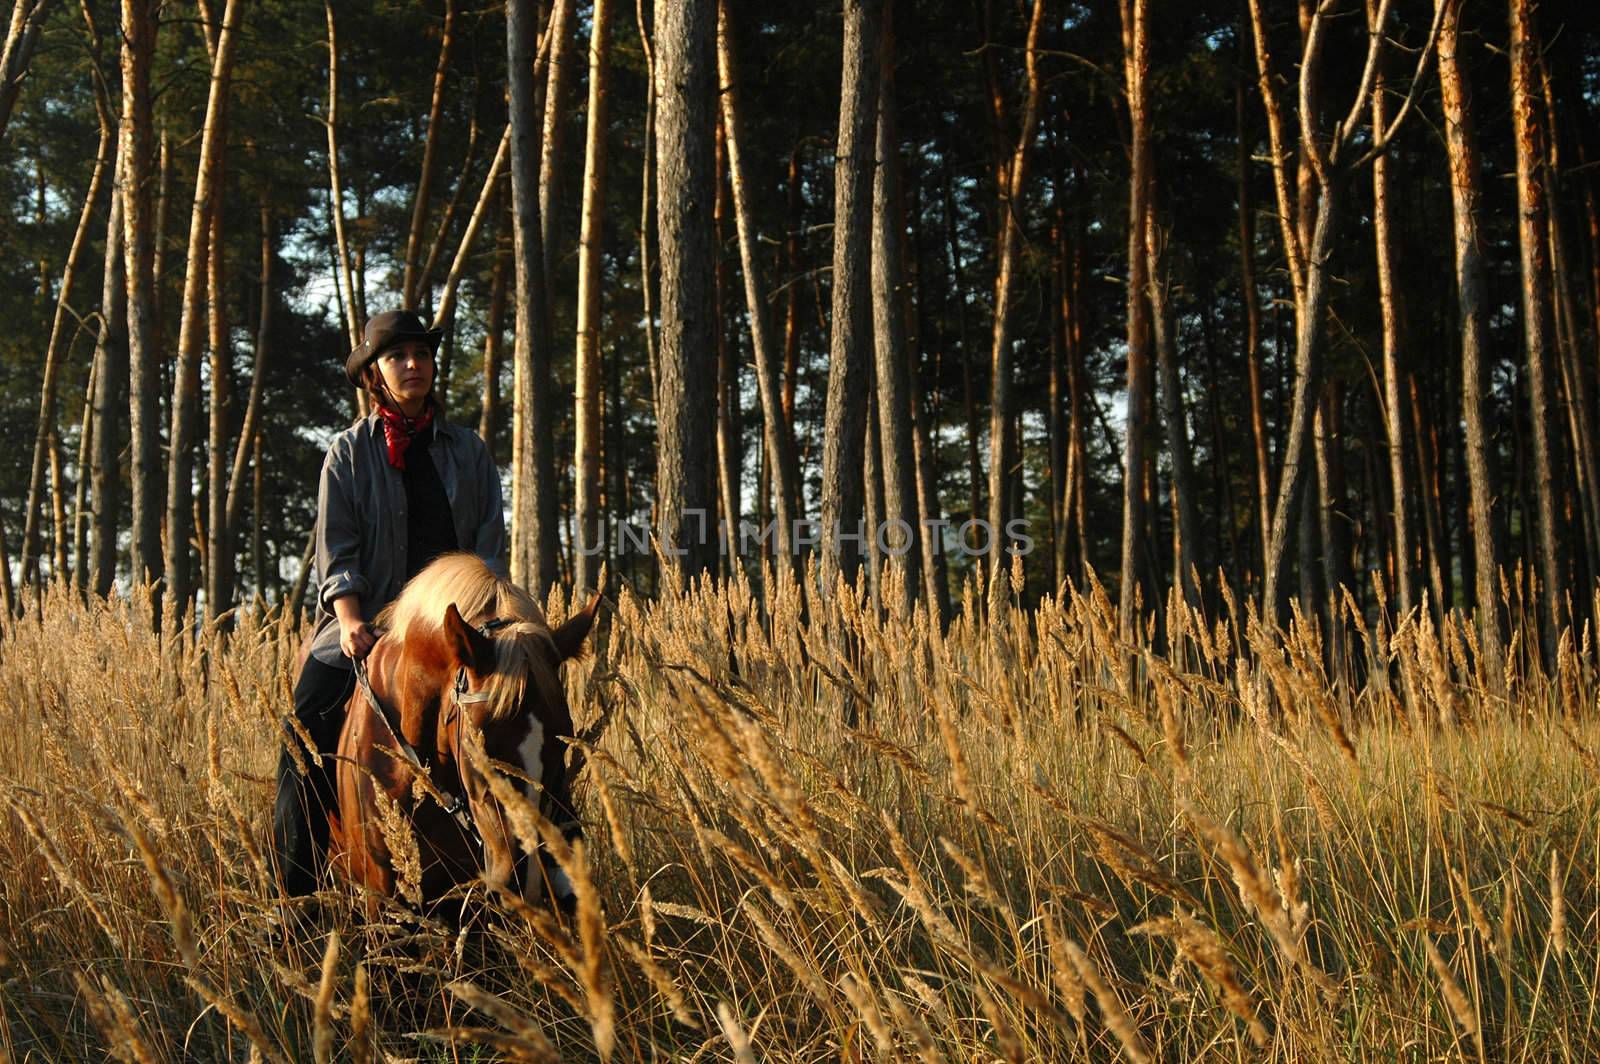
575	629
467	645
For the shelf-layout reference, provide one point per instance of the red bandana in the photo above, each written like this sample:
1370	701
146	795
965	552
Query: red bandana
399	431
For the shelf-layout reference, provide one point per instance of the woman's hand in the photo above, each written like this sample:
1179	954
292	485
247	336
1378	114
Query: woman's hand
356	637
356	640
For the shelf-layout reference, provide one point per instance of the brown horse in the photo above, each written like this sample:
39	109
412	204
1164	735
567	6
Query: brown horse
465	657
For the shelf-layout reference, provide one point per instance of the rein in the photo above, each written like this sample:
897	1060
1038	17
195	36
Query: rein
454	805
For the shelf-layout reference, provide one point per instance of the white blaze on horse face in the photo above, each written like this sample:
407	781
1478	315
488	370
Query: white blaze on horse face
531	753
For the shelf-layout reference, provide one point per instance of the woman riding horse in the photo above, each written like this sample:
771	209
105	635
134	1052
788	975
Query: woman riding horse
399	488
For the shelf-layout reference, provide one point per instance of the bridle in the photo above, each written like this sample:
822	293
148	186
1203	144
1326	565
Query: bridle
451	802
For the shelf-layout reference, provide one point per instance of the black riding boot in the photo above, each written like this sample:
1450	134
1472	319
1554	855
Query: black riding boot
300	811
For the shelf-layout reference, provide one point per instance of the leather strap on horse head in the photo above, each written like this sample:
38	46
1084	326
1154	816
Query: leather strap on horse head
450	803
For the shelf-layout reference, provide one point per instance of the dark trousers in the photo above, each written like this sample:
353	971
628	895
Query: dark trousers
299	814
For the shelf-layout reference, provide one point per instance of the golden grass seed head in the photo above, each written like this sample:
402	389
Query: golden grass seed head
361	1019
1112	1011
322	1013
1558	907
1461	1009
665	986
738	1040
529	1036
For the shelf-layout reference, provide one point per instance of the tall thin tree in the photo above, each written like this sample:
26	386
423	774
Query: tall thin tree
685	71
249	432
1013	171
110	401
22	40
1174	413
845	413
533	487
353	320
219	546
1533	243
410	284
587	424
900	513
186	375
1136	69
1390	312
559	66
144	365
53	349
1309	235
777	434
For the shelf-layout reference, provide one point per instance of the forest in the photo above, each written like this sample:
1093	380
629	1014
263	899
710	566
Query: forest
1095	508
1287	300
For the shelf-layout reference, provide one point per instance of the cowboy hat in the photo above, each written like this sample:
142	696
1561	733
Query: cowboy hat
385	331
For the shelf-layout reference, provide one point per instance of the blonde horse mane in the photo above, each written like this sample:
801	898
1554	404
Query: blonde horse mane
480	595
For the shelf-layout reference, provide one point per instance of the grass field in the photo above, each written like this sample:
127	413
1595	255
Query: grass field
850	838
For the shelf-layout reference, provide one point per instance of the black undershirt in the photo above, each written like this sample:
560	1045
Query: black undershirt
430	527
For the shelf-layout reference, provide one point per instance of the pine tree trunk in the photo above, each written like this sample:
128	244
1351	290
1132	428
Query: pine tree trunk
480	211
1591	212
900	511
144	358
8	595
489	418
1252	323
58	512
1428	494
533	486
161	244
969	390
80	488
685	71
258	561
1574	378
54	354
186	375
249	434
1391	311
1055	421
1536	310
845	425
110	399
436	247
872	504
647	170
1136	65
777	433
219	547
560	65
587	423
930	511
1174	416
791	313
410	287
1330	483
1002	445
22	39
935	575
354	322
1471	293
1078	385
728	407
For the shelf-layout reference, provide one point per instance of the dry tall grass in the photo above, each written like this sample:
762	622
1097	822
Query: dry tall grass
848	838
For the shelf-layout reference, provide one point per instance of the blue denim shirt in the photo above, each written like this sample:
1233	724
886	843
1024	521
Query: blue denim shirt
361	518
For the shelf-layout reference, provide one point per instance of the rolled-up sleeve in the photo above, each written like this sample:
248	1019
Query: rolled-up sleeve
491	543
338	530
